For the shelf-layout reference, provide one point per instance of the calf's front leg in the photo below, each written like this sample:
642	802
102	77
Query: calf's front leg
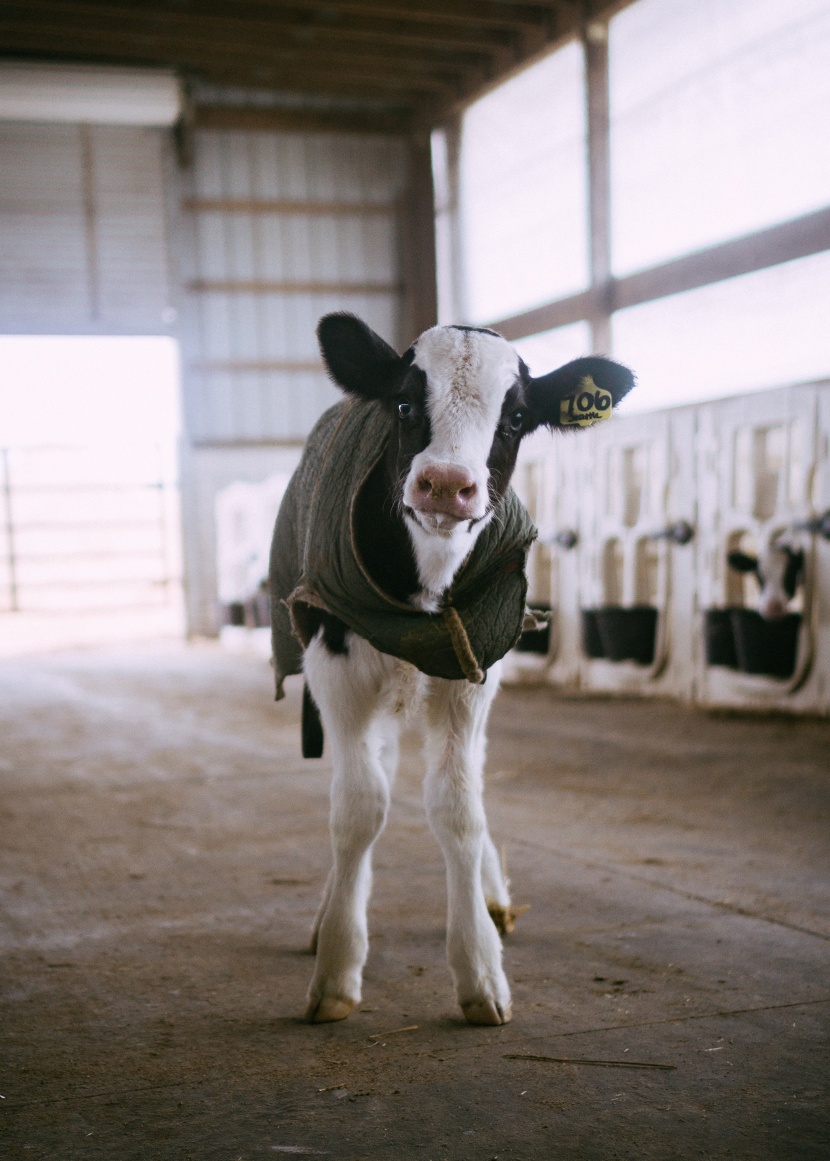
455	749
347	688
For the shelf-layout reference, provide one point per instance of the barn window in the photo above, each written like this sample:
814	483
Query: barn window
696	248
706	99
522	189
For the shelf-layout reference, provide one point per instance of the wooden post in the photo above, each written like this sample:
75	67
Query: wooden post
454	277
418	243
595	40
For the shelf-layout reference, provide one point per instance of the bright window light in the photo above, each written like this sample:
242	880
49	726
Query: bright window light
523	190
719	122
551	349
88	390
761	330
90	540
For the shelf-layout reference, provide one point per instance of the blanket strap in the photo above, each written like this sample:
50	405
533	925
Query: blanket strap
462	647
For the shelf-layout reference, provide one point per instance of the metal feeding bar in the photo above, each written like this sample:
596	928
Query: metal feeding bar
679	533
818	524
566	539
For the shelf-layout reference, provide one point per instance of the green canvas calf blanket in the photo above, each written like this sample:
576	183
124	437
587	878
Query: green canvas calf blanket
316	564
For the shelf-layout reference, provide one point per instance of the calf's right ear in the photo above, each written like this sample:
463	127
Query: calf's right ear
358	360
742	562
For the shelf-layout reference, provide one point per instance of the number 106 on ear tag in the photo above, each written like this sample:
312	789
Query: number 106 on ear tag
587	405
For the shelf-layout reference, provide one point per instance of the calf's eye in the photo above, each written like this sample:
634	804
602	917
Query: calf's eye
516	420
404	409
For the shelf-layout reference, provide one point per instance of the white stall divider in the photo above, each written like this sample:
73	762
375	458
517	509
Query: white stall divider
637	517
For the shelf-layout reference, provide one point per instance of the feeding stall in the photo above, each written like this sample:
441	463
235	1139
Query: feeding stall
638	519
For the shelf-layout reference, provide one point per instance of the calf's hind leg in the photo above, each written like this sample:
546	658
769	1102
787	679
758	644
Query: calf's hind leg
347	687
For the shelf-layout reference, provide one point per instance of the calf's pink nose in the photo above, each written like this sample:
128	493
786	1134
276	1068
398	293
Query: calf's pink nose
444	490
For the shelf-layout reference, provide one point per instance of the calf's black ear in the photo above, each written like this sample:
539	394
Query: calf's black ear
580	393
357	359
742	562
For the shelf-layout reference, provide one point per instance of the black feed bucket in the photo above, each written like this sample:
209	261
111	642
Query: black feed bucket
765	647
720	640
628	634
619	634
233	613
536	640
591	641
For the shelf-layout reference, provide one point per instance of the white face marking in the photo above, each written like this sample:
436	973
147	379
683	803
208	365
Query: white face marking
468	375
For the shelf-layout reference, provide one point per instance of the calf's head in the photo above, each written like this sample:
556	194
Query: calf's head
462	400
779	570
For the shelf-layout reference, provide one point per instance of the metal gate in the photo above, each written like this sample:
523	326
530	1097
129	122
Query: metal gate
87	530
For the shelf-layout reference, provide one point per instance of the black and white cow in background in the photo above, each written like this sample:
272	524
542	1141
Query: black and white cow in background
459	402
779	569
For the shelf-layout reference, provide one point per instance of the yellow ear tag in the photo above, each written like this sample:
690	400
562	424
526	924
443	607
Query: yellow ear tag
586	406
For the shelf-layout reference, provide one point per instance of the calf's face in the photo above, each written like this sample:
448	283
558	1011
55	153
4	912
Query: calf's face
462	400
779	569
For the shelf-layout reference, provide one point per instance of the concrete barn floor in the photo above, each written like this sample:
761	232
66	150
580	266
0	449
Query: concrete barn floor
163	849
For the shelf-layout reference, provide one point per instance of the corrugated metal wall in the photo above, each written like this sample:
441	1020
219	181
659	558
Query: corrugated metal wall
277	228
83	237
283	227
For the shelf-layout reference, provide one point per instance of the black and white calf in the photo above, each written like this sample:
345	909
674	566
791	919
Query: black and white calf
779	569
455	407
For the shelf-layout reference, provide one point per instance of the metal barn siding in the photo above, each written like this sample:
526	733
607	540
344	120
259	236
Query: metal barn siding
278	228
747	467
83	236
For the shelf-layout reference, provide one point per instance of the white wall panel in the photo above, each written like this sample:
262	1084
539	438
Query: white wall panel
83	238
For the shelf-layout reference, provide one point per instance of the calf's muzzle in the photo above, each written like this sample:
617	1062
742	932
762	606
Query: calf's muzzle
445	490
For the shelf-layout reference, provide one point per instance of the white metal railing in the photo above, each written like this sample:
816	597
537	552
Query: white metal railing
88	528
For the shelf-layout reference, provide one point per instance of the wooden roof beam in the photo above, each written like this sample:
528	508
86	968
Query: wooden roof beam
475	13
425	71
215	22
246	68
389	122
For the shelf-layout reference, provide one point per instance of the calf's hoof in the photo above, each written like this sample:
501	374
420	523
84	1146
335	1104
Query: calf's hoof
505	917
486	1012
327	1009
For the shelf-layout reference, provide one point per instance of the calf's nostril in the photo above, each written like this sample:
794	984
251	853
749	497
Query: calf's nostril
468	492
